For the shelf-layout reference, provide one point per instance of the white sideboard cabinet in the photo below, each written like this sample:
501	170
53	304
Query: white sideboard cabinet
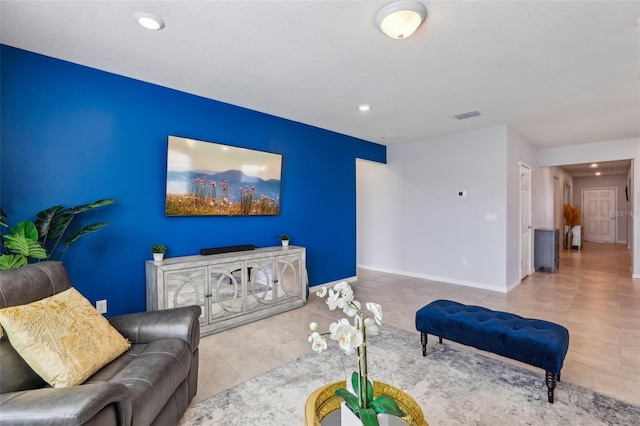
231	288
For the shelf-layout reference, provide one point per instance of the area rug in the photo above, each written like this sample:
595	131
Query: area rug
453	386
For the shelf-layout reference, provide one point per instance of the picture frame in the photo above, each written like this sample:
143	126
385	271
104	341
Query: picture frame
213	179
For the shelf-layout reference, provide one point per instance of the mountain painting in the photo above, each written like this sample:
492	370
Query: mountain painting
211	179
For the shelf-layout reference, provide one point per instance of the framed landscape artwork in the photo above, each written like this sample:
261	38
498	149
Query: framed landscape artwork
211	179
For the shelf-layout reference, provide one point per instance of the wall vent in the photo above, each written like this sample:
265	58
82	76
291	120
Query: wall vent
465	115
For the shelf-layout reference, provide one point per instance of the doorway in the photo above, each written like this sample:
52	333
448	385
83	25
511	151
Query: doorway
525	220
599	214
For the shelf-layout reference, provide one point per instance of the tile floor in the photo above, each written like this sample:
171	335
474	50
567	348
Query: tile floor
592	294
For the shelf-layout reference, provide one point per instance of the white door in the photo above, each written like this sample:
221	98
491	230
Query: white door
525	220
599	214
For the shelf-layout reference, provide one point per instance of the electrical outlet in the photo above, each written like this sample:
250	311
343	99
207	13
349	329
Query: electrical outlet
463	261
101	306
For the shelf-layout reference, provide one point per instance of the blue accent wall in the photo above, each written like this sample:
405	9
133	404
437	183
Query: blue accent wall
72	135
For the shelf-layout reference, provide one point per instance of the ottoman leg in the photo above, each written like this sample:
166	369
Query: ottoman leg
550	379
423	340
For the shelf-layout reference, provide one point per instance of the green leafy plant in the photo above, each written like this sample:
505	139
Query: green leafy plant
158	248
29	241
284	237
20	245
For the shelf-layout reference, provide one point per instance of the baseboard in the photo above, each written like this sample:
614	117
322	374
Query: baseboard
435	278
353	279
513	285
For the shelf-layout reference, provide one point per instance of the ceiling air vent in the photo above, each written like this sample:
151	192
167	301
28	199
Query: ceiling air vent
467	115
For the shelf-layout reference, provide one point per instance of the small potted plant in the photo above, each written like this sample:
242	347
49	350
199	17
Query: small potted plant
158	251
284	239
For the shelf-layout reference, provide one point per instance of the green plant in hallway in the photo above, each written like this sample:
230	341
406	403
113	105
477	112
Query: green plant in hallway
46	239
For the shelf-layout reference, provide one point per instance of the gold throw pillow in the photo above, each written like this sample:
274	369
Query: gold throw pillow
62	337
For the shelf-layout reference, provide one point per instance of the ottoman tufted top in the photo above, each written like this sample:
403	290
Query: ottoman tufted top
536	342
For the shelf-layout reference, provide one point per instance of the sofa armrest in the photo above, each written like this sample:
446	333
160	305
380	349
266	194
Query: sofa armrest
177	323
64	406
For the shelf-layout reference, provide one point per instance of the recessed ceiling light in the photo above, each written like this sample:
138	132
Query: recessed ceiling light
598	173
364	107
593	165
149	21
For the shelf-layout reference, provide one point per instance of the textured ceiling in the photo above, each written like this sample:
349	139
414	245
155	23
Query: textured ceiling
558	72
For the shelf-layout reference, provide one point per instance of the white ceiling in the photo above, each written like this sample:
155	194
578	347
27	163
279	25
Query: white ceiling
558	72
604	168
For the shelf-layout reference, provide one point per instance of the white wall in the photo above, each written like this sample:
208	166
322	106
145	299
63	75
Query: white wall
604	151
411	221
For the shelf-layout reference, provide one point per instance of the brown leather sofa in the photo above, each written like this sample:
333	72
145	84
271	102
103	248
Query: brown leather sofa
150	384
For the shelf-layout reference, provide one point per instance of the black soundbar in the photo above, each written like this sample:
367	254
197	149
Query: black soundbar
229	249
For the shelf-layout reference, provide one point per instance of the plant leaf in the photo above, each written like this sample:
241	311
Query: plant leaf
23	246
44	219
12	261
37	251
369	390
25	229
350	399
17	244
96	204
368	417
87	229
386	404
3	216
355	383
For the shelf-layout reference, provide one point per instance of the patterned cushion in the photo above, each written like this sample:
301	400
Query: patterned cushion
62	337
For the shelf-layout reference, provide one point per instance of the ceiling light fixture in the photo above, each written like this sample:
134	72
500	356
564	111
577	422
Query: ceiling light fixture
364	107
400	19
149	21
593	165
598	173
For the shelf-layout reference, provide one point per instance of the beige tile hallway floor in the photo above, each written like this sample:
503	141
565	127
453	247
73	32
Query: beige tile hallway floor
592	294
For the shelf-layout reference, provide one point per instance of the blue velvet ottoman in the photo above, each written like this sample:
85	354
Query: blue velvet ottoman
542	344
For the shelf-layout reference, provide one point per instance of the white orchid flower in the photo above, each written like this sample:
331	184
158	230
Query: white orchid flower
342	286
351	308
370	327
348	336
322	292
376	309
332	299
318	343
313	326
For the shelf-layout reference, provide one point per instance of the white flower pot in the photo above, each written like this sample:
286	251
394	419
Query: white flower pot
348	418
285	243
158	256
